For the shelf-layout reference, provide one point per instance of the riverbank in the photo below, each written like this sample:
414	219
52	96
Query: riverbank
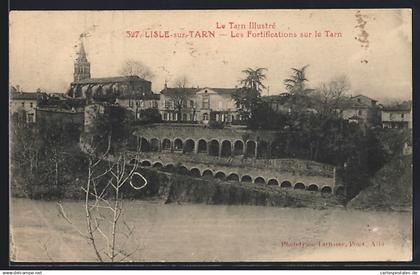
391	188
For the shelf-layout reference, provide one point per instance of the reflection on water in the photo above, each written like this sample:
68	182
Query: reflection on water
172	232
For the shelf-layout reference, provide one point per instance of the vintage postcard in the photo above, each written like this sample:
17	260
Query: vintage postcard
211	135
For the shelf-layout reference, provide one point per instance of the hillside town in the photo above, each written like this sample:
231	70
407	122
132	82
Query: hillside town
177	104
302	138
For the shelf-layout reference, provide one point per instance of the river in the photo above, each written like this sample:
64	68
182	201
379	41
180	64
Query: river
199	232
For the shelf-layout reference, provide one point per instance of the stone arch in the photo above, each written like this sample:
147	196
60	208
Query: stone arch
177	144
220	175
262	149
251	146
207	173
202	146
214	148
145	163
339	191
154	145
259	180
144	145
166	144
189	146
226	150
169	167
157	165
299	185
273	182
286	184
326	190
238	148
233	177
313	187
246	178
195	172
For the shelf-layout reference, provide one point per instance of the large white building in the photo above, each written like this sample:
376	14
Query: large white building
198	105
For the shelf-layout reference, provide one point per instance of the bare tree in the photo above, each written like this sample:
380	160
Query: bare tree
333	96
179	96
105	232
135	67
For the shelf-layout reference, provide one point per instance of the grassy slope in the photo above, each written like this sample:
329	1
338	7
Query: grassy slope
391	187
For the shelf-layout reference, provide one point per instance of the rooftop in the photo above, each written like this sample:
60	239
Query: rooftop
114	79
24	96
404	106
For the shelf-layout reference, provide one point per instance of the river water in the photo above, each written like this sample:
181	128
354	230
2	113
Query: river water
198	232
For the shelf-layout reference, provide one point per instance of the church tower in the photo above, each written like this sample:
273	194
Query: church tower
81	65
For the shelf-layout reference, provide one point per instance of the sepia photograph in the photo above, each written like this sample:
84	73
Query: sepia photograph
211	136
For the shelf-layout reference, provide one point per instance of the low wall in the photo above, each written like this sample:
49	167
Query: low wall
170	188
281	170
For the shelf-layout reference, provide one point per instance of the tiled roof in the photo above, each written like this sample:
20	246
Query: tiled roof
139	96
103	80
167	91
405	106
24	96
364	97
222	90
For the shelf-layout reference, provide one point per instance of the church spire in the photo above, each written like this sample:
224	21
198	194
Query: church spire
81	64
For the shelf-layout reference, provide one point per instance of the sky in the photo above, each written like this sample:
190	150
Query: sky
373	50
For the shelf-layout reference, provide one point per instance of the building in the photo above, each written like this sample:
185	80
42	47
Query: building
397	116
137	103
361	109
198	105
106	89
56	109
24	104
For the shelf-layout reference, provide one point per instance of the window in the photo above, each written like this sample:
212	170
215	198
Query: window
30	118
23	104
165	116
205	116
360	112
358	100
206	101
184	117
191	104
402	115
167	105
31	104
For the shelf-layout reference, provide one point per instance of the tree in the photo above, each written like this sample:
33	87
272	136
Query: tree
254	79
296	83
332	96
107	177
247	101
179	96
150	115
135	67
